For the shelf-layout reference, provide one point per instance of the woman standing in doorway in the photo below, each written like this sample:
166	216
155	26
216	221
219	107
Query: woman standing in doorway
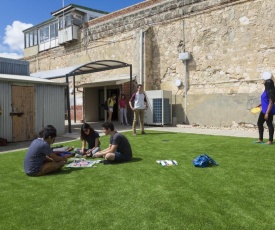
123	109
111	103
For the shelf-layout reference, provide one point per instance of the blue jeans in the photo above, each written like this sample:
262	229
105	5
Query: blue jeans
78	150
123	113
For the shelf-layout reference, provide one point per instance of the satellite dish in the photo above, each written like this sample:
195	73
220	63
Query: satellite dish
266	75
178	83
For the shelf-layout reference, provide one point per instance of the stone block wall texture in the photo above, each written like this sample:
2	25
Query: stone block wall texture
230	41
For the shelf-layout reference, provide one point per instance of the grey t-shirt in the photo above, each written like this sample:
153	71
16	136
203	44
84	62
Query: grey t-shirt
36	156
123	145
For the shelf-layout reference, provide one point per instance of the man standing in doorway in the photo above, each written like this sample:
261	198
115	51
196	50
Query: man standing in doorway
140	103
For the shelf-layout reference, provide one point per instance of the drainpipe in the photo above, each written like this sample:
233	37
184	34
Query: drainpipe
141	54
68	104
185	90
184	57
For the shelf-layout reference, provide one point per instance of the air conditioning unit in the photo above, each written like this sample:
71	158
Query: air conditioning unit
159	110
69	34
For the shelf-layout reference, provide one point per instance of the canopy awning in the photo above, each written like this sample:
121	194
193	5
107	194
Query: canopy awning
91	67
54	73
106	81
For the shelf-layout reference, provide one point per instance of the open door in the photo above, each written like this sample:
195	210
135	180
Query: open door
101	103
23	113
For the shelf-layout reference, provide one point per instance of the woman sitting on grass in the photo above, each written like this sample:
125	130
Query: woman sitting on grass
89	135
40	159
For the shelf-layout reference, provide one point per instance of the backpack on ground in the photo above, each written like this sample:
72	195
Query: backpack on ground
203	161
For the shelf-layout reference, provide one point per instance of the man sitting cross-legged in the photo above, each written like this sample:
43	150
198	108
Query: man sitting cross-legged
119	149
40	158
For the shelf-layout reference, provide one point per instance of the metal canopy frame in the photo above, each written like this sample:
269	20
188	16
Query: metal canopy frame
92	67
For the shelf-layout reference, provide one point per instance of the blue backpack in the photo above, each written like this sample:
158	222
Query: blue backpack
203	161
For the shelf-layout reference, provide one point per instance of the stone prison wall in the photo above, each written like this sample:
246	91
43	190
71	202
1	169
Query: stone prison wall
230	41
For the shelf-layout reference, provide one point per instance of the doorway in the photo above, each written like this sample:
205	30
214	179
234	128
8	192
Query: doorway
102	112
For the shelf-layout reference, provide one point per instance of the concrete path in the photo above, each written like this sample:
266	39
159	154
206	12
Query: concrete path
251	133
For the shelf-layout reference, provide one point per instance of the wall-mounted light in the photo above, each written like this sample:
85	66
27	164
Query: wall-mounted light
178	82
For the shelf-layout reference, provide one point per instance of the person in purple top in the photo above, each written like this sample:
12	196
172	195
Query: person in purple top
40	159
267	112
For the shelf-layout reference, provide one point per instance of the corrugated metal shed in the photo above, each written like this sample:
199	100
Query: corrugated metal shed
50	107
49	103
5	107
27	79
12	66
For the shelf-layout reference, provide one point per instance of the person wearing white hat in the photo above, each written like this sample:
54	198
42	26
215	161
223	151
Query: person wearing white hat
266	75
267	112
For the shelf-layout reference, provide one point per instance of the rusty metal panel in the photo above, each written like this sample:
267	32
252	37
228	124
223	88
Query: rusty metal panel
50	107
5	107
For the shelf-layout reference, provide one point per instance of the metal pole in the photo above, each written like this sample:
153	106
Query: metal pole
185	91
162	109
74	99
105	98
131	91
141	58
68	104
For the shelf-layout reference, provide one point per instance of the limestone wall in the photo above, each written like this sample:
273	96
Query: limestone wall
231	43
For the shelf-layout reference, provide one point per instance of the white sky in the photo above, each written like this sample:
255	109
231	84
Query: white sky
13	40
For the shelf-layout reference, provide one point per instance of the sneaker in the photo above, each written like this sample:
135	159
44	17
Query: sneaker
134	134
142	132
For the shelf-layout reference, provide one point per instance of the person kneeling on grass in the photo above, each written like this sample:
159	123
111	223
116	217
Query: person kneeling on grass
119	149
40	158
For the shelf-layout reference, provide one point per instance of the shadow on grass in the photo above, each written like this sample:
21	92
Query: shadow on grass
155	133
133	160
63	171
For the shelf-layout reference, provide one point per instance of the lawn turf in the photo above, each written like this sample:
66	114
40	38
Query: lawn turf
237	194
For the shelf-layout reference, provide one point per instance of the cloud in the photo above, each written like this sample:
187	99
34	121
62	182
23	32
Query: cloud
13	41
11	55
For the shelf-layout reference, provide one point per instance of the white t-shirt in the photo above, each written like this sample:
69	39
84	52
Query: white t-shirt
139	99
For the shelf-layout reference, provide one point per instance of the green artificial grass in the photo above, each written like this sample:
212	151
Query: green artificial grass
237	194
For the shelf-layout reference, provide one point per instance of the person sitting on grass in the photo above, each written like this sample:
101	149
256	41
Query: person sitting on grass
119	149
89	135
40	159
